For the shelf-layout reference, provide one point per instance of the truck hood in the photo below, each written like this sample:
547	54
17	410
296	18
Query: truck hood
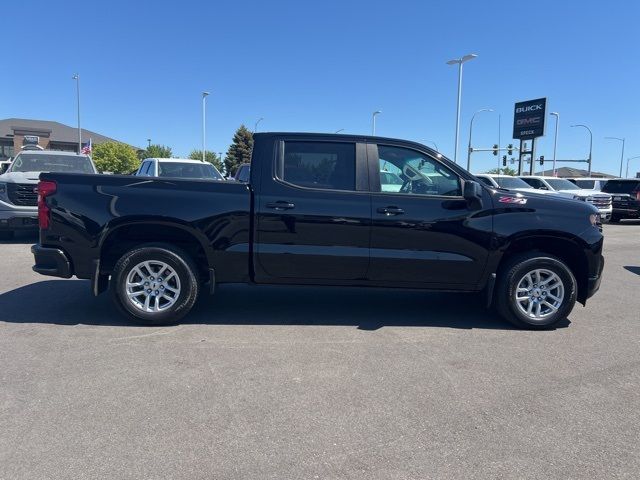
582	193
20	177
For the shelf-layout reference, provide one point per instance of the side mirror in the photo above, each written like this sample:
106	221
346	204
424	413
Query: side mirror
543	188
472	193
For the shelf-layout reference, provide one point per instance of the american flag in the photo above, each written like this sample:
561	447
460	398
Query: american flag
86	148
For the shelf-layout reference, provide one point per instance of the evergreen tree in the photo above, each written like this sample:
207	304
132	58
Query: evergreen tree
240	150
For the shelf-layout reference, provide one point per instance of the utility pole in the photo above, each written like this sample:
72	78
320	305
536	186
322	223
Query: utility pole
204	133
76	77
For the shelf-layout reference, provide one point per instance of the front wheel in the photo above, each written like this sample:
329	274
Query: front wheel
536	291
155	284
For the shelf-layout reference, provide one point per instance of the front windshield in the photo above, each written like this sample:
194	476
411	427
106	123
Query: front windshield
31	162
511	182
188	170
561	184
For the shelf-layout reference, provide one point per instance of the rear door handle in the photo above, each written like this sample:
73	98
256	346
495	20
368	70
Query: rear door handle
281	205
390	210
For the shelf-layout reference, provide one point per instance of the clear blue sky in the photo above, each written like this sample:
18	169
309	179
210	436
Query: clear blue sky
326	65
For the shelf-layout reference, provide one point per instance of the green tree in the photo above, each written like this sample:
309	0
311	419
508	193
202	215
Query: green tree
155	151
503	171
210	157
115	157
240	150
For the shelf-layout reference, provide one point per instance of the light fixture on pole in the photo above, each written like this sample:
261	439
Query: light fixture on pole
590	143
438	154
255	127
204	115
459	62
373	121
148	142
555	140
76	77
470	132
622	153
338	131
630	158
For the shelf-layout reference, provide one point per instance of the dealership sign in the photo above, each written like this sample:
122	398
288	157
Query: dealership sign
528	119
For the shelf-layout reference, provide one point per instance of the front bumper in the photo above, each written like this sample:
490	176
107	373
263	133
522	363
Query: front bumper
593	284
19	219
51	261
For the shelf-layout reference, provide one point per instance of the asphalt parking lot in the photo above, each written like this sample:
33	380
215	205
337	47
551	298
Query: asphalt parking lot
274	383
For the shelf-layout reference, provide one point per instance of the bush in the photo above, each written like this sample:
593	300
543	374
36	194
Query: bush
115	157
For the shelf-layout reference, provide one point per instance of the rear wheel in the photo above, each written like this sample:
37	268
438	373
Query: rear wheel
535	291
155	284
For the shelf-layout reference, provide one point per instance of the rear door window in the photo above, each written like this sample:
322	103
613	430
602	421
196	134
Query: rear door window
321	165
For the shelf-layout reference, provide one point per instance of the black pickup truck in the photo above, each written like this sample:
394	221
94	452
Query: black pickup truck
320	210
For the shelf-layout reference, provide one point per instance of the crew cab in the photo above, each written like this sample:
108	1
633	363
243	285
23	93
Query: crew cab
315	212
602	201
178	168
18	198
626	197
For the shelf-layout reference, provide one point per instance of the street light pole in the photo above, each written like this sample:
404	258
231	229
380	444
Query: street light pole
148	142
555	141
622	153
630	158
459	62
470	132
204	132
373	122
255	127
590	144
76	77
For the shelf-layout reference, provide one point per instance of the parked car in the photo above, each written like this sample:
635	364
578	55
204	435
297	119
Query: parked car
18	199
588	183
178	168
626	197
314	213
602	201
243	173
510	182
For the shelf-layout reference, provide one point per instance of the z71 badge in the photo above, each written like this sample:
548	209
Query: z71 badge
516	200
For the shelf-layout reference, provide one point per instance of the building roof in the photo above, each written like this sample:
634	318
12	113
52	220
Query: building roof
569	172
58	132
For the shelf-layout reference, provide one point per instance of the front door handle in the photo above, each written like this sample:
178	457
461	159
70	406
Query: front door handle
281	205
391	210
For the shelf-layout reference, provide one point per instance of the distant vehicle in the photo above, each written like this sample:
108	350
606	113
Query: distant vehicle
243	173
510	183
589	183
178	168
602	201
314	213
18	199
626	197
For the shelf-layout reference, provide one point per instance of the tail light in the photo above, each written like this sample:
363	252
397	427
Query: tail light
638	195
45	188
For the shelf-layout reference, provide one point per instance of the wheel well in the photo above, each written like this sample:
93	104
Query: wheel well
566	250
128	237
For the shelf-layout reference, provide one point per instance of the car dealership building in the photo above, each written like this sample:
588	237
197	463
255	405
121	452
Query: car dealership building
51	135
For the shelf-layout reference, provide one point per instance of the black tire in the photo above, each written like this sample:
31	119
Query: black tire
7	234
178	261
514	271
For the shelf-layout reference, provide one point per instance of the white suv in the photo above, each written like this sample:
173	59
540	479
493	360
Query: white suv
602	201
510	182
178	168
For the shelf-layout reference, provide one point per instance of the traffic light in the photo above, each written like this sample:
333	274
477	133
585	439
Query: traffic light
541	159
510	149
504	160
495	149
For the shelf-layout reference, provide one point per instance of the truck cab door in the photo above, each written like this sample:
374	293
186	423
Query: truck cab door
313	212
423	231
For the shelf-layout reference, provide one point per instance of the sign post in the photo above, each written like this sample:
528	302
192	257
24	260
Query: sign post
528	124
